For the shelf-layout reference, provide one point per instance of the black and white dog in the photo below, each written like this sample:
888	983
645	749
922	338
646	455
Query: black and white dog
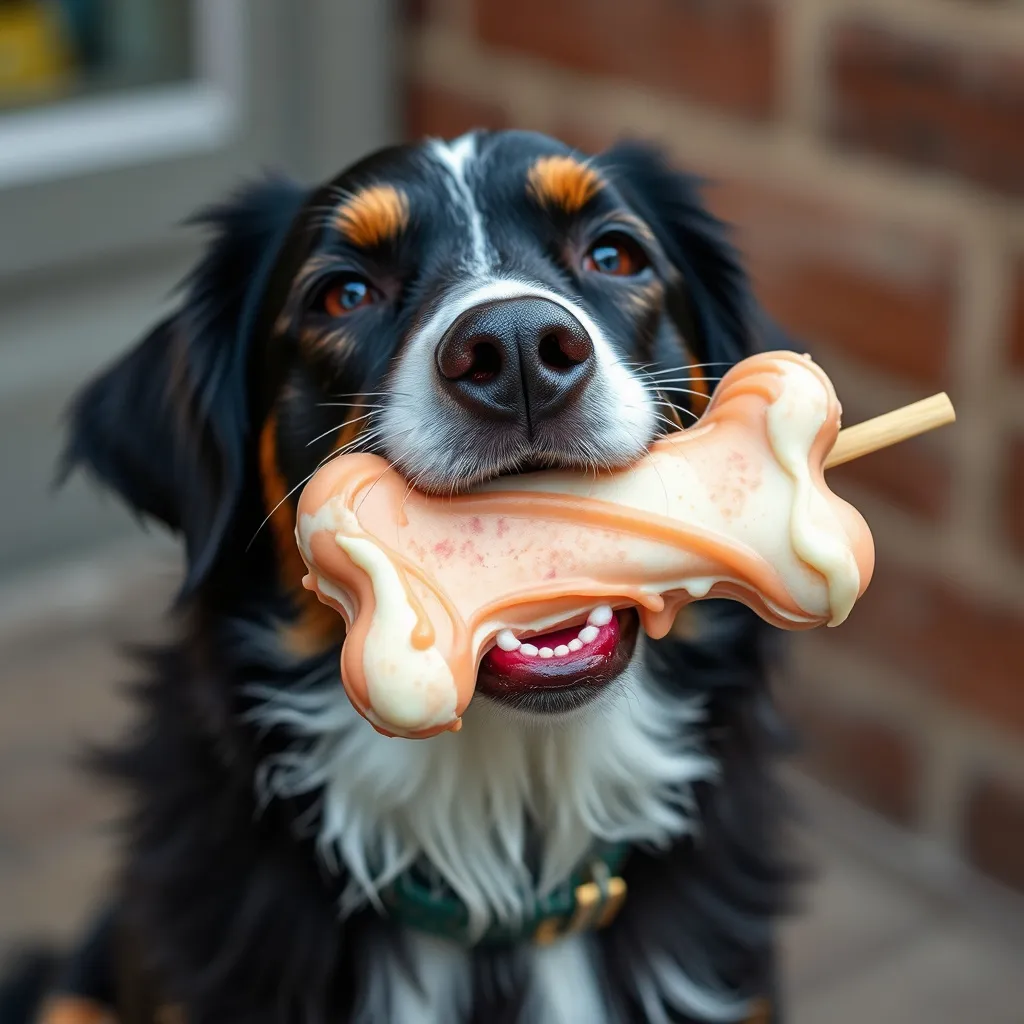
595	301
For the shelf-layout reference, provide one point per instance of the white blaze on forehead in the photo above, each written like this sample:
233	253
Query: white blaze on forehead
408	689
794	420
456	158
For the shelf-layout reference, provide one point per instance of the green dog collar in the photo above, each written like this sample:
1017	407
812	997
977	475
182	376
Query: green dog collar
589	899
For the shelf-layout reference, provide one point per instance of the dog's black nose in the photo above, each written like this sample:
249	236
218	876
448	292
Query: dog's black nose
524	358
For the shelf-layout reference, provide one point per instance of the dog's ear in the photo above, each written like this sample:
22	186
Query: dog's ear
167	426
720	303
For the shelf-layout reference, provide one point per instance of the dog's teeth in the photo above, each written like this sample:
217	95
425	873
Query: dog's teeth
575	645
528	649
507	641
546	652
600	616
588	634
561	651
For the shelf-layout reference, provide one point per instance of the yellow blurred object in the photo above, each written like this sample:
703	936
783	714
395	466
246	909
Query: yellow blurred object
36	61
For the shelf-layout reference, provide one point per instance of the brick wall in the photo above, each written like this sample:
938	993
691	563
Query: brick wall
871	156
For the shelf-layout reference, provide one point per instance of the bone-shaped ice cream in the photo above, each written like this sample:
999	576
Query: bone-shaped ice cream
735	506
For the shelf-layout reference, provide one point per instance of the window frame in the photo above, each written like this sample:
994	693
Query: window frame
264	73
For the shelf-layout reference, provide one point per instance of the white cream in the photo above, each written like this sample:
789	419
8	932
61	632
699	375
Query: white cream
818	537
409	689
698	586
338	595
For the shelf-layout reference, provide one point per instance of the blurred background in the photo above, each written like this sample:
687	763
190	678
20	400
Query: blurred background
871	157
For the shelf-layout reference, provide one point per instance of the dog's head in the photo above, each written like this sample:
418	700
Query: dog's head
466	309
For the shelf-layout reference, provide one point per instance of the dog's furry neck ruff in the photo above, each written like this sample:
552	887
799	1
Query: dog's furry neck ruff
471	808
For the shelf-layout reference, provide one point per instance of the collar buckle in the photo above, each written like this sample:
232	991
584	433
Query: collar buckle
595	905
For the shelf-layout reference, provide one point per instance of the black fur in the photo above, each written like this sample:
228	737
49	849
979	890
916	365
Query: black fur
169	426
228	910
29	977
717	295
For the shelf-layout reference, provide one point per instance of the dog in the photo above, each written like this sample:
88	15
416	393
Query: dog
491	305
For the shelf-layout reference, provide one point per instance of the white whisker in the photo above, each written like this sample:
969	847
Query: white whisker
658	381
678	408
674	427
689	366
360	439
302	482
683	391
341	426
363	394
350	405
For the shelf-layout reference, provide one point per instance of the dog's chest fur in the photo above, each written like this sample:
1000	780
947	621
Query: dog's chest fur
477	807
501	813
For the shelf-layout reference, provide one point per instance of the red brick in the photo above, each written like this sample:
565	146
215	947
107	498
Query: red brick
880	291
723	53
968	650
588	139
910	477
1017	316
413	12
995	831
430	110
872	762
946	106
1013	496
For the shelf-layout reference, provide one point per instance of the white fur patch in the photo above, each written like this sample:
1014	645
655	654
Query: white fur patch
426	981
564	985
663	983
457	157
620	770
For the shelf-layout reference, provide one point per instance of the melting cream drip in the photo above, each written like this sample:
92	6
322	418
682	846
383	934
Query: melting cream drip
794	420
409	689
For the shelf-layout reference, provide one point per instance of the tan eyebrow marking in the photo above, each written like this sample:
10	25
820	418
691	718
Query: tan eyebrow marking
563	182
375	215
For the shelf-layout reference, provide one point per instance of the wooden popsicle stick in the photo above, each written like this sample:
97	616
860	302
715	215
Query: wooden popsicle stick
891	428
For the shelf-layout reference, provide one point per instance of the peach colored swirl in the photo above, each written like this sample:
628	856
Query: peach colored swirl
736	507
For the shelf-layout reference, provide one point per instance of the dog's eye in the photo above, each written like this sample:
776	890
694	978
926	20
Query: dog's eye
346	295
616	255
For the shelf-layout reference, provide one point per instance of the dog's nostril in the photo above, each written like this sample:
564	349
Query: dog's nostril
477	359
486	364
563	349
551	353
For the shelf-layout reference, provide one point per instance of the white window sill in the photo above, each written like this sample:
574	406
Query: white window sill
140	126
108	132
